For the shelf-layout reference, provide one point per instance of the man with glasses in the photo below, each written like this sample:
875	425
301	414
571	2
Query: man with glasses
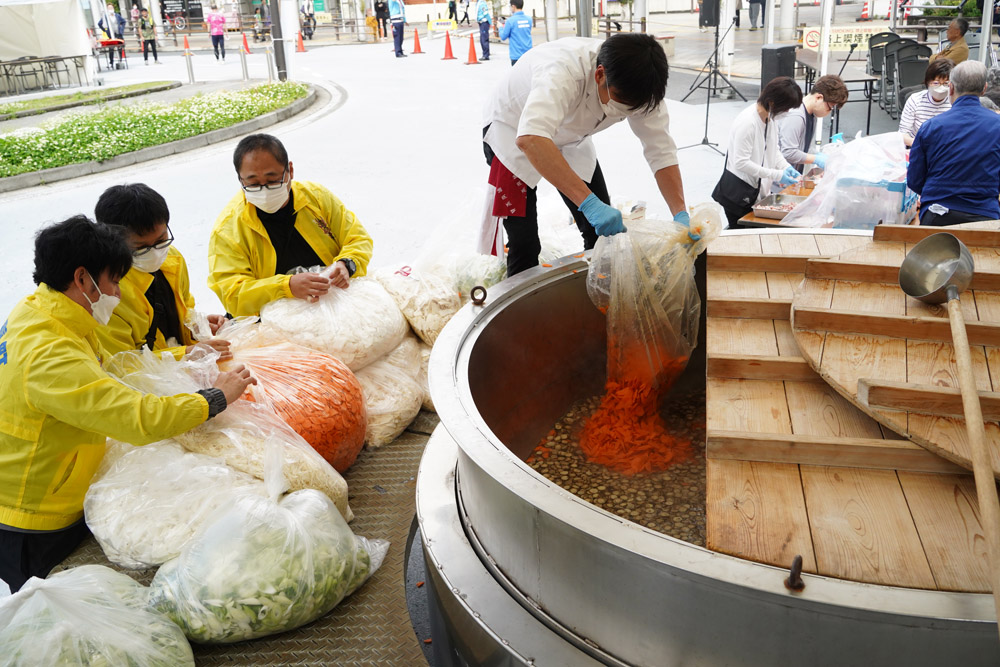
796	128
156	294
277	225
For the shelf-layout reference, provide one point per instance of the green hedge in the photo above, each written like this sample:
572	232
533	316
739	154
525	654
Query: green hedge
101	135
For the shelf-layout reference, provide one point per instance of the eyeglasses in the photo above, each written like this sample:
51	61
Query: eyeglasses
161	245
832	107
270	186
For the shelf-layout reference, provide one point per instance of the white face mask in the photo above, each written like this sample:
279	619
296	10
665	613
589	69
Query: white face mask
150	261
939	93
268	201
103	307
613	108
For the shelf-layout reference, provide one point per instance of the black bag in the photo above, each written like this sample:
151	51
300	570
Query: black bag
736	196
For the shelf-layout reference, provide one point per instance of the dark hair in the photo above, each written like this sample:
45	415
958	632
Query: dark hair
517	3
963	26
134	206
832	88
259	142
781	94
63	247
636	67
938	68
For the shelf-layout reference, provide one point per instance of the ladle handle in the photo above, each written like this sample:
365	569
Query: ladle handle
982	467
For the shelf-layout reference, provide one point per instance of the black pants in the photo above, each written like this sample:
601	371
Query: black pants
484	39
465	19
219	44
397	37
148	44
928	217
452	14
26	555
383	25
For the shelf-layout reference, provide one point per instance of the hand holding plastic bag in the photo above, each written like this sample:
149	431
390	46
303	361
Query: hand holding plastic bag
90	616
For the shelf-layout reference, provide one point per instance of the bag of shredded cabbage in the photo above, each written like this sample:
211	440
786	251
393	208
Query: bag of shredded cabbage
240	434
425	360
264	565
392	392
427	298
90	616
357	324
145	503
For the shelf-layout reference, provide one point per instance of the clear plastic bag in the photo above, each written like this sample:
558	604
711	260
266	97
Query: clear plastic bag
357	325
392	392
146	503
264	565
239	436
643	280
88	616
428	298
863	185
425	360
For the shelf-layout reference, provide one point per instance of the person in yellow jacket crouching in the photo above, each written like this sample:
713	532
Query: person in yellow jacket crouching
156	292
275	225
57	405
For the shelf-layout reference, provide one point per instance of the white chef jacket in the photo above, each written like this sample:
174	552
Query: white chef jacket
750	155
552	93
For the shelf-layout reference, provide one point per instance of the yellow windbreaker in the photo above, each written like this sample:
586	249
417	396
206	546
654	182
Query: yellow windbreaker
241	259
132	318
57	405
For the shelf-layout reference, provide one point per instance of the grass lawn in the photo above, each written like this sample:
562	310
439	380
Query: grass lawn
82	97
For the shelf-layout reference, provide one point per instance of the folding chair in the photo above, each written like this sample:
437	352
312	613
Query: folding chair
886	87
909	73
876	54
25	70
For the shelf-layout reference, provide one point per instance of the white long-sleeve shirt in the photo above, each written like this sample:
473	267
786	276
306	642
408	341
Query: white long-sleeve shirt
552	93
753	155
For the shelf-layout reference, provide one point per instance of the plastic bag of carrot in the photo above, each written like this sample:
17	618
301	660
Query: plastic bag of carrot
643	280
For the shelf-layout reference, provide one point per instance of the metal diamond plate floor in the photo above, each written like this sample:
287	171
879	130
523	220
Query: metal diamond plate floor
372	626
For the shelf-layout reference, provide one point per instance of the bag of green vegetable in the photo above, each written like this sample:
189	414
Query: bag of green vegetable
89	616
145	503
240	434
264	565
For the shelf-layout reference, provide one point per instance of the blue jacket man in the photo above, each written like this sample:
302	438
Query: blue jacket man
485	21
955	158
518	30
397	17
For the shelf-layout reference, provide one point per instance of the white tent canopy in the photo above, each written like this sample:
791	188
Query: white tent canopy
42	28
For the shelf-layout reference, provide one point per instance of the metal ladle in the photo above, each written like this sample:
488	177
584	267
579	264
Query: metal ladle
938	269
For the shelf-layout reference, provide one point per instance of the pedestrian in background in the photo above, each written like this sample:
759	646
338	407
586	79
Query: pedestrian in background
518	29
464	5
756	10
736	18
485	20
147	33
217	29
113	26
382	17
397	16
452	10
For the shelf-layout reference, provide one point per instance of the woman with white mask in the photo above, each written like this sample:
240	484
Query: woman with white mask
156	295
924	105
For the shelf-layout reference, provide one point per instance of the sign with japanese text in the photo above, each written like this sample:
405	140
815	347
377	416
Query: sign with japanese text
842	36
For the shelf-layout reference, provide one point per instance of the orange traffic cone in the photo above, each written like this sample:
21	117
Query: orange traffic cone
448	55
187	47
473	60
246	47
416	43
300	47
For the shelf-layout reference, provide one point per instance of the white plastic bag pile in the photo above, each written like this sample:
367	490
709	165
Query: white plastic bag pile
89	616
393	392
428	299
264	565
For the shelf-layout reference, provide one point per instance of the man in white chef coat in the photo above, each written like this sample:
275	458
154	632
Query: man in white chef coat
538	124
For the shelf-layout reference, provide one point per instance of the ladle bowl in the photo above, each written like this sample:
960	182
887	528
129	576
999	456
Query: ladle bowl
933	266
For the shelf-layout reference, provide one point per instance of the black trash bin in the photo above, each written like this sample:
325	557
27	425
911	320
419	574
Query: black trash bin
776	60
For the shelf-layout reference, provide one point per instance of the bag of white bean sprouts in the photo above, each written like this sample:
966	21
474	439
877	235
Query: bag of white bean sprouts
427	298
146	503
240	434
264	565
357	324
425	359
89	616
393	393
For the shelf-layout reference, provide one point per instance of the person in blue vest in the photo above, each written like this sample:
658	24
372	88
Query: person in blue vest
397	17
518	29
485	21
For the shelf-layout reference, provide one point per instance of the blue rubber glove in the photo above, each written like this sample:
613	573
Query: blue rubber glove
790	177
819	159
607	220
837	138
683	218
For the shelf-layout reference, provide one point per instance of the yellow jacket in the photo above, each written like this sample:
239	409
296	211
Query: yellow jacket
132	318
57	405
241	259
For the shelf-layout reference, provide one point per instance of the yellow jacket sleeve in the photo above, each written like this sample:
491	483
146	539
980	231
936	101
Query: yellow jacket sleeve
232	279
355	243
118	335
61	382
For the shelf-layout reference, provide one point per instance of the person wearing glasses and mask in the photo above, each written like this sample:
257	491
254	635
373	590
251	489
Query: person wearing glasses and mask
58	405
797	129
156	294
275	225
539	123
